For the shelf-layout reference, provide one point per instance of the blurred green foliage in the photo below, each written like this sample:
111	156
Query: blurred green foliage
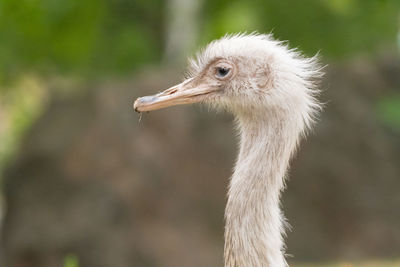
85	36
389	111
117	36
71	260
339	28
19	108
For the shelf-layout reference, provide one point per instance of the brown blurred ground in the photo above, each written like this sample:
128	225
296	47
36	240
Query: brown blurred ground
92	181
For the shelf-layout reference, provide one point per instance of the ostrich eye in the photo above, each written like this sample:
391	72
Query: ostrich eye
222	72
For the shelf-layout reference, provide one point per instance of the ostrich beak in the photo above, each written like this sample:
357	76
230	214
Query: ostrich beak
187	92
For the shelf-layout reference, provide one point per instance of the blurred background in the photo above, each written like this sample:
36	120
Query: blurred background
85	182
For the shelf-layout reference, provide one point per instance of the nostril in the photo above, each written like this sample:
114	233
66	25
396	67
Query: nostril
173	91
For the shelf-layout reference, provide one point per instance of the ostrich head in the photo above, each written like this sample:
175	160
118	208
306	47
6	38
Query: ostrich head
248	75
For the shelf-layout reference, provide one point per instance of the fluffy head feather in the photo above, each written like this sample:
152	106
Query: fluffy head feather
268	76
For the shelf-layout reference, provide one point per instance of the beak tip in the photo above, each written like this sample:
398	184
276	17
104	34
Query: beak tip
135	106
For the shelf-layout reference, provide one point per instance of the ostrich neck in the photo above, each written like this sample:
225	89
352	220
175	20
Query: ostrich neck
254	222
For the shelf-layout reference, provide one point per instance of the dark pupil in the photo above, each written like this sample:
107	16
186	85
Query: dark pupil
222	72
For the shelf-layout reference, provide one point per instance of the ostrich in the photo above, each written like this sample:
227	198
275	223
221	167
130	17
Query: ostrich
270	90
